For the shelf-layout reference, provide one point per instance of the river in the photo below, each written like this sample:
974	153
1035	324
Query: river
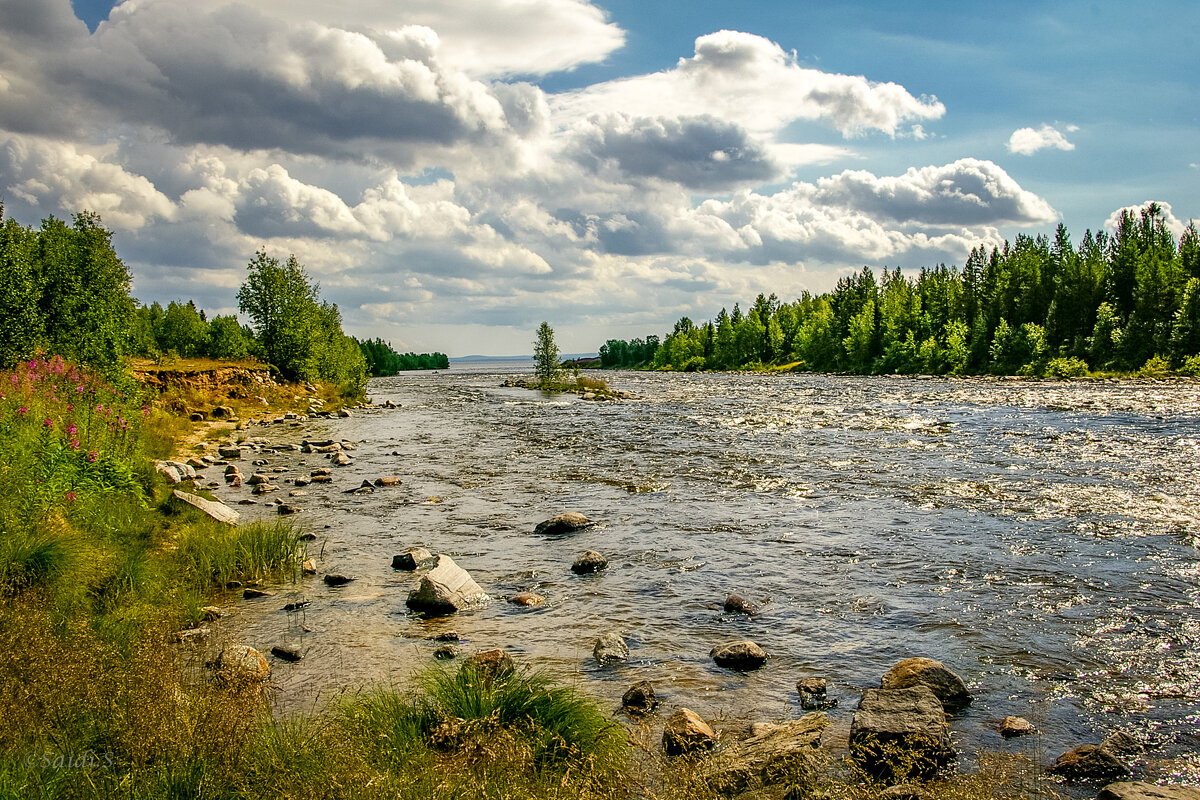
1040	538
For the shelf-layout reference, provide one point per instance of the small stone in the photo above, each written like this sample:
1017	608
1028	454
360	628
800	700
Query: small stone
239	664
387	481
1016	726
639	699
287	510
590	561
446	652
568	522
307	537
286	653
686	732
492	664
526	599
736	604
334	579
610	648
297	605
210	613
341	460
1120	743
309	567
447	636
814	694
950	689
742	656
251	594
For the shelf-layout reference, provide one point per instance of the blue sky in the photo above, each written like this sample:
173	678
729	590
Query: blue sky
453	172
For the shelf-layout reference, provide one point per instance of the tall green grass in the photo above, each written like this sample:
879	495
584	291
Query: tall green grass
212	554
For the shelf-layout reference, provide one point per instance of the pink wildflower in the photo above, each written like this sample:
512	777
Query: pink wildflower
33	364
48	423
91	456
70	497
74	444
71	429
23	410
79	389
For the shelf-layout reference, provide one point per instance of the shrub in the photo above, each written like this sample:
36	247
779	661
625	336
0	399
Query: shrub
1072	367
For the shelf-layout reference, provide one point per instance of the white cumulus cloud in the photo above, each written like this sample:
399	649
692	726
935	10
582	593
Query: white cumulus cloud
1027	141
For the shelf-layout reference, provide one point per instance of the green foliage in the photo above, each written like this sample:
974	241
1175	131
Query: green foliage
1035	306
299	335
545	357
63	289
1070	367
210	554
382	360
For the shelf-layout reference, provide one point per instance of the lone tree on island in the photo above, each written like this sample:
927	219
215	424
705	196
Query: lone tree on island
545	357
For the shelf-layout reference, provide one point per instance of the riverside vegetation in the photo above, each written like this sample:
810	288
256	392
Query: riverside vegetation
1121	303
100	574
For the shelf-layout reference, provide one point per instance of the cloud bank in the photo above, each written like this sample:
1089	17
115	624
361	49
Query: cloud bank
406	154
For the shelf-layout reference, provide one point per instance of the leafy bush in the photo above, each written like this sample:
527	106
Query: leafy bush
1072	367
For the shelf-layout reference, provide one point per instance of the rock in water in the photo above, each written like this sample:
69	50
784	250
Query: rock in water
445	589
1088	763
900	734
736	604
492	664
1016	726
568	522
286	653
814	694
1135	790
333	579
639	699
413	558
950	689
590	561
610	648
742	656
528	599
686	732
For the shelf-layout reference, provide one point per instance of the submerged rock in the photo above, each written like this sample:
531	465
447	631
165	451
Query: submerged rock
1088	763
743	656
568	522
639	699
590	561
334	579
1012	727
900	734
528	599
492	664
610	648
950	689
736	604
445	589
686	732
814	694
286	653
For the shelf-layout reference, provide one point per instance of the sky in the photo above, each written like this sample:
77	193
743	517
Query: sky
454	172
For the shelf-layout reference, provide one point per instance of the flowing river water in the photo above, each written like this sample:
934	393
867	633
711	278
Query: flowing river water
1039	538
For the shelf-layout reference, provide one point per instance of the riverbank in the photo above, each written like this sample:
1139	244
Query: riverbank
485	760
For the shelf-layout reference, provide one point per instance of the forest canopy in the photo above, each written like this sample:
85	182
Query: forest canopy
1037	306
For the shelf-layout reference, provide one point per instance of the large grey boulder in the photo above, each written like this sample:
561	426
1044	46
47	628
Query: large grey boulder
218	511
898	734
1136	790
685	732
445	589
568	522
950	689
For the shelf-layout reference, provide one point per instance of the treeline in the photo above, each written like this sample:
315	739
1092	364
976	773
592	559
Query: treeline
1037	306
64	291
383	361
